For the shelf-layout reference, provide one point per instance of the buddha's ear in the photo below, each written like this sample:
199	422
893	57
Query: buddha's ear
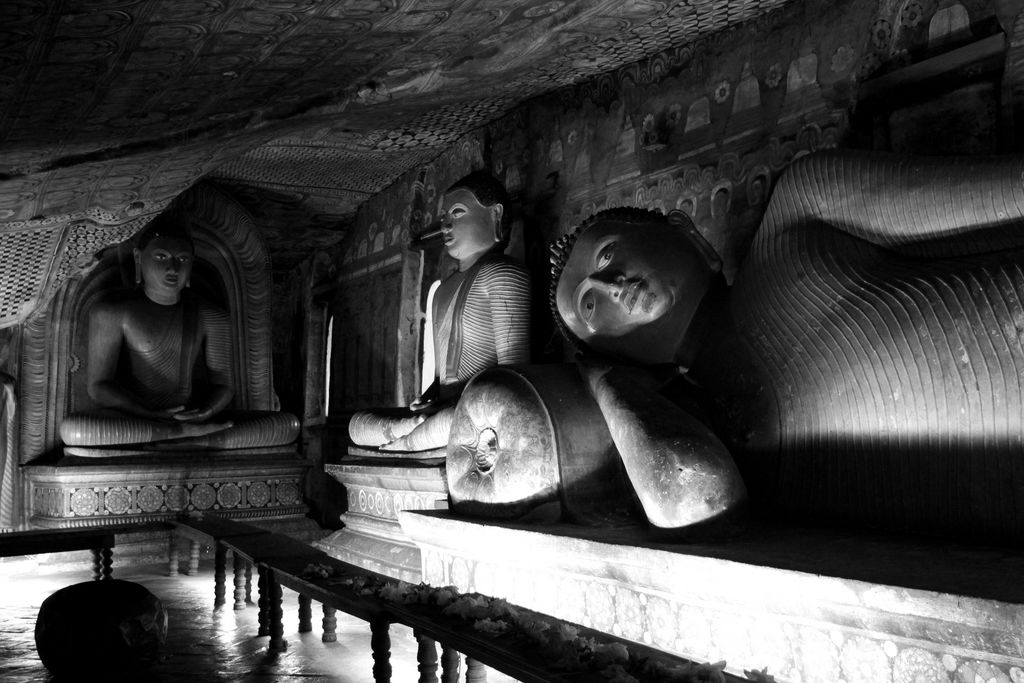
497	211
137	256
681	220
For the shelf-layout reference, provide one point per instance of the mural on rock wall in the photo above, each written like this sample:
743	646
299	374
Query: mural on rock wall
905	31
305	109
706	127
963	117
285	343
363	367
386	219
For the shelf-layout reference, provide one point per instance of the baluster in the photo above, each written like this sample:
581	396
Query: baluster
193	558
106	563
248	582
172	556
426	657
220	562
263	600
239	571
476	672
305	614
451	662
380	643
96	564
275	597
330	625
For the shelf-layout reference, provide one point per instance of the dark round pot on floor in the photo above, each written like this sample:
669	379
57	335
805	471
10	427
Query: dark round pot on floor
101	628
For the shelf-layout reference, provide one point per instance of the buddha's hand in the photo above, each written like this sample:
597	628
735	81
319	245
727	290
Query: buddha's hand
166	414
428	400
422	404
193	414
592	368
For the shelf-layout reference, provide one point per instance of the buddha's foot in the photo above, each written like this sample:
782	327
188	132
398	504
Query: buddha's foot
369	429
432	433
191	436
402	427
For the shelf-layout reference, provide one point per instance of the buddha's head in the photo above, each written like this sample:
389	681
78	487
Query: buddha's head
473	218
164	254
627	282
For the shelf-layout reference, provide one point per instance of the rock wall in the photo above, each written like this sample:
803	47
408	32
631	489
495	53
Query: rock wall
706	127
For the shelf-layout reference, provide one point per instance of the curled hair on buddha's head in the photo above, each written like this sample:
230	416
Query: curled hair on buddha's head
558	252
561	249
489	191
170	223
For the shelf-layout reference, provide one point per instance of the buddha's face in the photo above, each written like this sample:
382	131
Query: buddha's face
622	276
165	264
468	228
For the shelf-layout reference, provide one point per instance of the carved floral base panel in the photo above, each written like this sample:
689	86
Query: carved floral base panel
802	627
377	492
73	496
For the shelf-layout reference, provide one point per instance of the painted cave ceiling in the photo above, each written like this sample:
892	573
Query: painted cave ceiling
302	108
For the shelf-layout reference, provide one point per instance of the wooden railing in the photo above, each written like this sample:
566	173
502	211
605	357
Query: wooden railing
283	561
100	540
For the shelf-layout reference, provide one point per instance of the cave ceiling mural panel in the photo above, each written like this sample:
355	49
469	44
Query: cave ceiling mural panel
302	108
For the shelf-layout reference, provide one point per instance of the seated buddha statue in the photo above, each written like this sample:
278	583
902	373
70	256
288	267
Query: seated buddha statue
864	367
480	317
145	347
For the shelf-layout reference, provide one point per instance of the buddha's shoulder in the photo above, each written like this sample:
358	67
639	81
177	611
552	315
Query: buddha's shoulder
502	267
117	302
209	311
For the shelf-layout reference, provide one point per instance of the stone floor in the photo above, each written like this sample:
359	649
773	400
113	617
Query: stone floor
202	645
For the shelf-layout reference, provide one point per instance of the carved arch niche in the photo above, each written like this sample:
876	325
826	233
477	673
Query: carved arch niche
232	268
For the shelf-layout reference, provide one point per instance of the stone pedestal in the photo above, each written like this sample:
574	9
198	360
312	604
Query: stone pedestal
378	488
262	487
810	605
86	492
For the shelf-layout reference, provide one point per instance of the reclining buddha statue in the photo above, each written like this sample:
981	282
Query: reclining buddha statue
159	364
480	317
865	367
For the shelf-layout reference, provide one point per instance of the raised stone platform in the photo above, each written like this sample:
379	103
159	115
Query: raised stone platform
378	488
808	604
